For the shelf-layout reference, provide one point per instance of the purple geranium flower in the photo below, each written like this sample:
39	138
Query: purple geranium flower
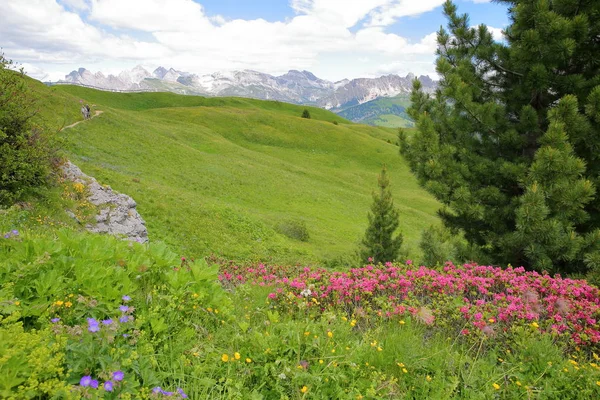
15	232
7	236
108	386
94	384
107	321
157	389
124	319
118	375
93	325
182	393
124	308
126	298
85	381
55	320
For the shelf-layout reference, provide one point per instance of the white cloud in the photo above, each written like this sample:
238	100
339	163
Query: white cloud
178	33
496	33
80	5
390	12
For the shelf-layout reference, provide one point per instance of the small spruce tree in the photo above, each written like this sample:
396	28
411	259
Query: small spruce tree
379	242
306	114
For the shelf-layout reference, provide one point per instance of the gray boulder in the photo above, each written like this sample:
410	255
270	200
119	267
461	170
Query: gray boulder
118	215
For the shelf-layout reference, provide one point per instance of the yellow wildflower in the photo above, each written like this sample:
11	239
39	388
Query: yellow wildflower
236	355
304	389
59	303
330	334
400	365
333	350
17	303
379	349
598	383
68	304
321	361
306	333
405	370
224	358
518	383
401	322
248	360
353	323
496	386
344	319
428	378
535	325
209	309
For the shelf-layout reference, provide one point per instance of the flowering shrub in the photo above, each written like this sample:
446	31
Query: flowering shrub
470	299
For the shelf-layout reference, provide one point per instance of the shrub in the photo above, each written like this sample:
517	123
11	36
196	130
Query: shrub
294	230
306	114
26	149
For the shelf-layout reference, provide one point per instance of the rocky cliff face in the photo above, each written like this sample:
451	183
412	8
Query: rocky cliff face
118	215
300	87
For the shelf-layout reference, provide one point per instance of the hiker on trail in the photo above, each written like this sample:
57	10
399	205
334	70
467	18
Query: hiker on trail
87	107
84	112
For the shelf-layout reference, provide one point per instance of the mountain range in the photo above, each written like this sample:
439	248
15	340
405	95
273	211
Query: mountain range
298	87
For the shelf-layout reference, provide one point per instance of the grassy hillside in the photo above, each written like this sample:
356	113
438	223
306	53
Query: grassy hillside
387	112
241	178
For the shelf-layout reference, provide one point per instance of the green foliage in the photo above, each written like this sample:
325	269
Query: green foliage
26	148
379	243
306	114
31	362
294	229
509	144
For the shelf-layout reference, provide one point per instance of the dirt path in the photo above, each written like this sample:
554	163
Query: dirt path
98	112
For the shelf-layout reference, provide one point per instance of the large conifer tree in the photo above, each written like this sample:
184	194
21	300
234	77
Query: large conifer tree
510	143
379	242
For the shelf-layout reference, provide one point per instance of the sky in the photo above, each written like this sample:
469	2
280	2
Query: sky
334	39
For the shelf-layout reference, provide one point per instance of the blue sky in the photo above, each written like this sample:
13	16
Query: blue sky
334	39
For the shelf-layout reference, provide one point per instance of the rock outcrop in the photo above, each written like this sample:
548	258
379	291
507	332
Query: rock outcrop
118	215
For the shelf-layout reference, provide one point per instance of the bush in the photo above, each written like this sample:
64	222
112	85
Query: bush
294	230
306	114
26	149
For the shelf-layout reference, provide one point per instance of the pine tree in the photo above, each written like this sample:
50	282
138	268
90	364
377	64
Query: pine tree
306	114
379	242
510	143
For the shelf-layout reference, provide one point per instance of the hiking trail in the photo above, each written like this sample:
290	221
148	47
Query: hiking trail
98	112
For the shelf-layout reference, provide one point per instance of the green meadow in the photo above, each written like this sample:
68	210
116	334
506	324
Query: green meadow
237	177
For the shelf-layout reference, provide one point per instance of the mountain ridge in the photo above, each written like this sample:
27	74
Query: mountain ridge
297	87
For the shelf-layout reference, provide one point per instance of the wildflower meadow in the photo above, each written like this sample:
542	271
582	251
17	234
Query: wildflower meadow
87	316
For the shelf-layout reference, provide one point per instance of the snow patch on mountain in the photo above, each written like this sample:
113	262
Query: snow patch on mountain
300	87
